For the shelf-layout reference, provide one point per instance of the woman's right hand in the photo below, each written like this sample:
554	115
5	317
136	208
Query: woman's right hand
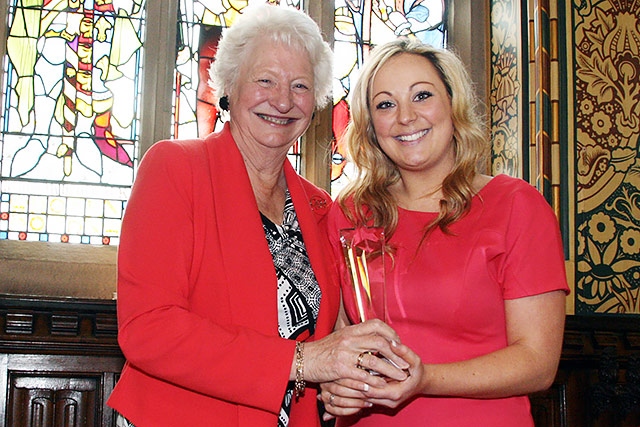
350	353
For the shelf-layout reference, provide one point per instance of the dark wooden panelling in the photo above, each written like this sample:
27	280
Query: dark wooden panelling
598	381
59	360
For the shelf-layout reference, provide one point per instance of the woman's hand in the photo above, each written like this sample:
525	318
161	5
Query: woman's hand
344	397
349	352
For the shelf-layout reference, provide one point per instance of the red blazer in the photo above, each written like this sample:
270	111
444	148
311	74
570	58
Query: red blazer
197	307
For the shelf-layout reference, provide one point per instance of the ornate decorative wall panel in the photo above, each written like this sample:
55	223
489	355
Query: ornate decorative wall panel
607	127
505	88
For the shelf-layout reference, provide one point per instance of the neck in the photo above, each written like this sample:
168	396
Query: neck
418	191
423	199
269	187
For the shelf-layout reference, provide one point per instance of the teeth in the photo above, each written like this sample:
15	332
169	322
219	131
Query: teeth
274	120
412	137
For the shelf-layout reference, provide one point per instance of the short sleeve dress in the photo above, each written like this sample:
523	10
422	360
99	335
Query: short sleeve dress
446	300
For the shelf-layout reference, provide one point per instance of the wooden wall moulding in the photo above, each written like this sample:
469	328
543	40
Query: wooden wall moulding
58	326
59	361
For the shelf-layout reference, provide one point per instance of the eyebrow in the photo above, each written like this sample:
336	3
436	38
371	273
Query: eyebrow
410	87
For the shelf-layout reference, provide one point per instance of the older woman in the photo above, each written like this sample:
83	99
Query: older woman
226	289
478	288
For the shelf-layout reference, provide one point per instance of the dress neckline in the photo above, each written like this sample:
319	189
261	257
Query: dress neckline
475	197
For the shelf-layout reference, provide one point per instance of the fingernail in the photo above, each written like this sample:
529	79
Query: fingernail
394	343
368	404
366	387
326	417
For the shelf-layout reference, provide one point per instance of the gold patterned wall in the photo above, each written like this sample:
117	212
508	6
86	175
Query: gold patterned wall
565	115
607	123
505	88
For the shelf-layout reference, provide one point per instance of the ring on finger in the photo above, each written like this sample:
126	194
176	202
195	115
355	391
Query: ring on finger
360	359
333	396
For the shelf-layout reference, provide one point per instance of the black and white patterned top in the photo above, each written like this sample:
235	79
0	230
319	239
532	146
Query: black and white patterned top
298	290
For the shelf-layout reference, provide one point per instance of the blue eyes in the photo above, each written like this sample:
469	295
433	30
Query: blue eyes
423	95
384	105
420	96
270	83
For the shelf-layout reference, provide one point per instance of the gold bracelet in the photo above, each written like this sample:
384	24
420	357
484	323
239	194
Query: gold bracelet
300	384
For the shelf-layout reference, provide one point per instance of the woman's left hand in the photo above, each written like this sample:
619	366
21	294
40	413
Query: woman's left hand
395	393
344	397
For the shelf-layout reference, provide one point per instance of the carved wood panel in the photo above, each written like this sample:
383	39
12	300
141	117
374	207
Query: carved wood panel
57	390
44	401
59	361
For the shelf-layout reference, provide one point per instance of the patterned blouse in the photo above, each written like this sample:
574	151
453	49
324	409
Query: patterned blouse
298	290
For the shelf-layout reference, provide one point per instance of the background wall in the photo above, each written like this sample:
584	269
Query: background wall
564	92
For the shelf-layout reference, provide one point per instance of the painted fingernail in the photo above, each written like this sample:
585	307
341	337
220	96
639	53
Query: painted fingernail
366	387
368	404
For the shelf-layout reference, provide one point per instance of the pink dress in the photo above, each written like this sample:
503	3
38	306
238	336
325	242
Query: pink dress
447	301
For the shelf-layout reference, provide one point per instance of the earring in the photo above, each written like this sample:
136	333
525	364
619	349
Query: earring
224	103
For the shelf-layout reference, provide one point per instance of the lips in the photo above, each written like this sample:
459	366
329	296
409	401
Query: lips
412	137
275	120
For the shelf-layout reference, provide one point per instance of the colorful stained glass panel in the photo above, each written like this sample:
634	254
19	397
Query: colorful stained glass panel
70	118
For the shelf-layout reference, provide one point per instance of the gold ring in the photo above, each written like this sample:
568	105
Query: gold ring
333	396
360	357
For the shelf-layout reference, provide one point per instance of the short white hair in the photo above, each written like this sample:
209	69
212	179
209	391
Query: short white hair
262	22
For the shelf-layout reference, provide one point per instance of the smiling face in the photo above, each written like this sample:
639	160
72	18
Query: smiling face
272	101
411	115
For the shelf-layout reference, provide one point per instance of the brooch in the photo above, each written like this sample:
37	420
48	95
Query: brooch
318	204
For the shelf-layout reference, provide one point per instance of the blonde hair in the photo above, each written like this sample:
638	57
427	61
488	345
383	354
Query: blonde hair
373	204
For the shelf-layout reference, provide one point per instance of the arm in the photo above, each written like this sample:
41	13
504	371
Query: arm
535	328
529	363
533	301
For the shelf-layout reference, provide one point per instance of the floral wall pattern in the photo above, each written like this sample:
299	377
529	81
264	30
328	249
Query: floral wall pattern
595	128
505	88
607	127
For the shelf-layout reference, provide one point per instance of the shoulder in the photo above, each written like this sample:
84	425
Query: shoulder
515	203
504	187
222	138
337	215
173	148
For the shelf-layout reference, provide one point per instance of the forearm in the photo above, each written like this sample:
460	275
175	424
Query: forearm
515	370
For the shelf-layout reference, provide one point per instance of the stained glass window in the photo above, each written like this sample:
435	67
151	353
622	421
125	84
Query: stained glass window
71	95
69	122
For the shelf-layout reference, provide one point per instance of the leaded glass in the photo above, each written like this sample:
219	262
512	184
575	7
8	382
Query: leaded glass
200	26
71	86
360	25
70	118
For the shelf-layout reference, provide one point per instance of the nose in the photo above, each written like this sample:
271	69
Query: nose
406	113
282	98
